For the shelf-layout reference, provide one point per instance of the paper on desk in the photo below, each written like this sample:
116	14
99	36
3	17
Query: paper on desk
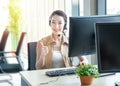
4	77
5	84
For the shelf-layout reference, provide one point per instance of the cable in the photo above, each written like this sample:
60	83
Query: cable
43	83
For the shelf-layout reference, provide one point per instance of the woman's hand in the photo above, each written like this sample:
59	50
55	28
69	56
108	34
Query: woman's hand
83	61
43	52
44	49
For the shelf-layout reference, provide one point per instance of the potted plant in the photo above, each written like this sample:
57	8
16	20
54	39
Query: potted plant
87	73
15	21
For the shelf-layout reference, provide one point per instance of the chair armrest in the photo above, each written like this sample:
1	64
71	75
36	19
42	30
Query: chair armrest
7	52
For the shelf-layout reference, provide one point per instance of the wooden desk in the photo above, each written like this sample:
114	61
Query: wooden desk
34	78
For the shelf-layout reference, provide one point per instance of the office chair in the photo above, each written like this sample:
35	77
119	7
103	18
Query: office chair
3	43
31	46
13	67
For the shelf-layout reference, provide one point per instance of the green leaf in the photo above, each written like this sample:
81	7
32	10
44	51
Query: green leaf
87	70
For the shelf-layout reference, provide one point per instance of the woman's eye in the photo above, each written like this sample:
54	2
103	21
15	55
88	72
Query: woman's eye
53	22
60	23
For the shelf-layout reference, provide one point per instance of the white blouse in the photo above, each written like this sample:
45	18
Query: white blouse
57	60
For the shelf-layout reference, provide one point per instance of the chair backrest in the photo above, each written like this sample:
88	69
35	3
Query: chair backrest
20	43
4	39
31	46
14	67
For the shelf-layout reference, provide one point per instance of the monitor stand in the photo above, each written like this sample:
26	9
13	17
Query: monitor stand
117	83
105	74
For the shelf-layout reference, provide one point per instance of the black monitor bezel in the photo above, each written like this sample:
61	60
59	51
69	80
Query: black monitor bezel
97	41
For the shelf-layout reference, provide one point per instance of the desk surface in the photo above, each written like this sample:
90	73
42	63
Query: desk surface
37	77
12	79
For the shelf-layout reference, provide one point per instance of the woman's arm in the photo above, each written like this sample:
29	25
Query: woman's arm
41	52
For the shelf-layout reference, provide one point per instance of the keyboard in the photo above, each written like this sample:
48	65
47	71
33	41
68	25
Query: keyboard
60	72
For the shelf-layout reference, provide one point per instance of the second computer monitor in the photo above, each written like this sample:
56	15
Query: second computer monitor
108	46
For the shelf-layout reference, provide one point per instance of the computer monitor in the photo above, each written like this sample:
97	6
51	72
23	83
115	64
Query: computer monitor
107	37
82	35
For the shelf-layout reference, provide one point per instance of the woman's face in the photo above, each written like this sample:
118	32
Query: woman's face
57	24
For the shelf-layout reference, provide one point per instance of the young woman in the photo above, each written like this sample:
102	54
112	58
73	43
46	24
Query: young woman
52	51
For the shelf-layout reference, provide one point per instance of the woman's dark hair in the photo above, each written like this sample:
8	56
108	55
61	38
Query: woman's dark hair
59	13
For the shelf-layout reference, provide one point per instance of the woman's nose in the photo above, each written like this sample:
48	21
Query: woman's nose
56	26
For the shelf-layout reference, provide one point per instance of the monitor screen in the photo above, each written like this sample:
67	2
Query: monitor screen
82	35
107	37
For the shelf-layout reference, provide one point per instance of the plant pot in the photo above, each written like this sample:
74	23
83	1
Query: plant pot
86	80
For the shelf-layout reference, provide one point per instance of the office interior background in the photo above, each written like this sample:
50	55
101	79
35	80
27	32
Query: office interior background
35	15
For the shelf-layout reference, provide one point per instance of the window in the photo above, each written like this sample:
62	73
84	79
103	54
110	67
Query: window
113	7
81	8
